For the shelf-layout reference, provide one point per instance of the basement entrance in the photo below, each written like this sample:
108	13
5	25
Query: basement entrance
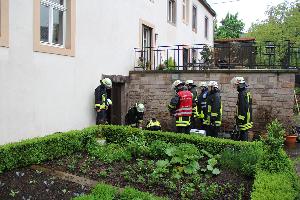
114	114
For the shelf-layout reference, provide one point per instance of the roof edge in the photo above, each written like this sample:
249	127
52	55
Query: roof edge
208	7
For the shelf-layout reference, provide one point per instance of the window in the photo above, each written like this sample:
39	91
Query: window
194	22
55	26
172	11
4	8
185	11
206	27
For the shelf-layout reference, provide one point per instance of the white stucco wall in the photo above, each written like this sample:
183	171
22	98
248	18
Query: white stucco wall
42	93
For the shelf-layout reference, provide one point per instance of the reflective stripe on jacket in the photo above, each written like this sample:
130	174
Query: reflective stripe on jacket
244	110
214	109
101	98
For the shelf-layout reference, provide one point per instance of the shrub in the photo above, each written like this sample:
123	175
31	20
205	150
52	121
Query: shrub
108	192
277	186
37	150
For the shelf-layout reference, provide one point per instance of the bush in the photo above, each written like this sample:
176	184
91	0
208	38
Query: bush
277	186
108	192
120	135
37	150
244	160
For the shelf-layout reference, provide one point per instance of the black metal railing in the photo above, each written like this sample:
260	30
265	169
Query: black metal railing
225	55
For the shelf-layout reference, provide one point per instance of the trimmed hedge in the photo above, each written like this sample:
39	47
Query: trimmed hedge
108	192
275	186
120	134
37	150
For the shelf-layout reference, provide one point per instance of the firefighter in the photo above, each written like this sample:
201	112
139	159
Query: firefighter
101	101
202	105
153	125
193	89
214	110
181	107
135	116
243	108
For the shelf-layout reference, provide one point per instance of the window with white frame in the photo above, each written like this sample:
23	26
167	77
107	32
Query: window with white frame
206	23
172	11
53	22
194	20
185	11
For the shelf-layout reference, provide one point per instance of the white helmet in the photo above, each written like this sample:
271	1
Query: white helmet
176	83
140	107
107	82
203	84
237	80
213	84
189	82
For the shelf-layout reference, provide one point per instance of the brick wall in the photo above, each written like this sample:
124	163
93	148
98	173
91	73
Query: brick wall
272	92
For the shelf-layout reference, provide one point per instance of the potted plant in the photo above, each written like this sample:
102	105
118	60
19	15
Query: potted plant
290	134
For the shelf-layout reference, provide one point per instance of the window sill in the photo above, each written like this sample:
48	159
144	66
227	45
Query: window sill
54	49
172	23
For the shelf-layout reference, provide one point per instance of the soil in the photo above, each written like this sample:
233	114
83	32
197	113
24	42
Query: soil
113	176
29	184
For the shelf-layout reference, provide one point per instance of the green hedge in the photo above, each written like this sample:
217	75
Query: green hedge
120	134
108	192
275	186
37	150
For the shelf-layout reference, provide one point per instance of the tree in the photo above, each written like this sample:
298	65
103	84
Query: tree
282	23
231	27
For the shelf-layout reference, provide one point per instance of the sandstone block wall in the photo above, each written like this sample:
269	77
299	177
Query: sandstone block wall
272	92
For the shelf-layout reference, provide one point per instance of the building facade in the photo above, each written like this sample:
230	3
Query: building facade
54	52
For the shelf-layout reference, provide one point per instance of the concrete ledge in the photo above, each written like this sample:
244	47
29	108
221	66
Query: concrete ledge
278	71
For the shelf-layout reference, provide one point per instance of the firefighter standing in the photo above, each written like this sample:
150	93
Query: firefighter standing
193	89
181	107
153	125
214	110
101	101
244	108
202	105
135	116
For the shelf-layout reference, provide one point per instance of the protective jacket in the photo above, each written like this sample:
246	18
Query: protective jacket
181	107
153	125
133	117
202	104
193	90
244	110
101	97
214	109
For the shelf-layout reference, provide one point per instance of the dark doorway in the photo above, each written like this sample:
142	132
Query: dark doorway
115	112
185	57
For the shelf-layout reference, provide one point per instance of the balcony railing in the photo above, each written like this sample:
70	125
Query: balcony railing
230	55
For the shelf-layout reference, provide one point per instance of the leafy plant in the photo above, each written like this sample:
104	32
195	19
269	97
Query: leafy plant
137	146
187	190
170	63
13	193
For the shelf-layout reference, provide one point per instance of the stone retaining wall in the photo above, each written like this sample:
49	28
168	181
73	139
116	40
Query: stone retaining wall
272	92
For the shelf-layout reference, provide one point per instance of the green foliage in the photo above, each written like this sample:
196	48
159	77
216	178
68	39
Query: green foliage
244	160
157	148
282	23
120	134
137	146
277	186
108	153
37	150
108	192
170	63
231	27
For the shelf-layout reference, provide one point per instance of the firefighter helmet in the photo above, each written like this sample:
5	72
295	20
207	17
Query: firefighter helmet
189	82
107	82
213	84
140	107
237	80
177	83
203	84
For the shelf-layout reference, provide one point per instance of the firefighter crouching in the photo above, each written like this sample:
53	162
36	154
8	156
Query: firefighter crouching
243	108
101	101
181	107
214	110
135	116
153	125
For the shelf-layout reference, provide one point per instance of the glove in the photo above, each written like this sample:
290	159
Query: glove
108	102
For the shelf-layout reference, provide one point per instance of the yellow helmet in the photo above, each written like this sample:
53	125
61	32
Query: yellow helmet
107	82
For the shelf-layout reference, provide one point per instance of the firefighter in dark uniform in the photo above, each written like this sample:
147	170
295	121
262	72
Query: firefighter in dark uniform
202	105
135	116
181	107
101	101
214	110
153	125
193	89
243	108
